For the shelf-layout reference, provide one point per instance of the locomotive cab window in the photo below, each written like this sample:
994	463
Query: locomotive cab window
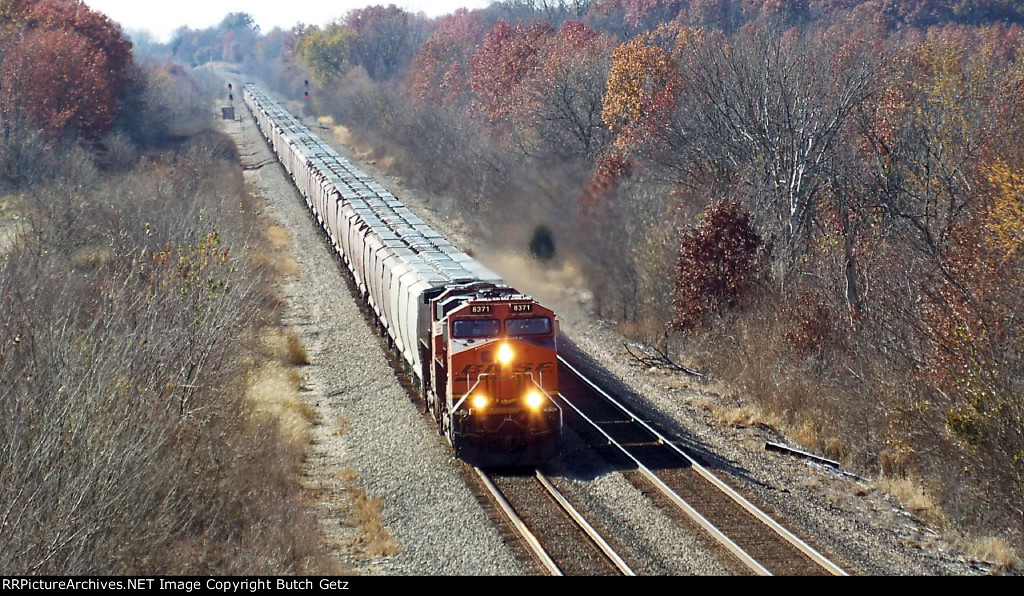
471	328
530	326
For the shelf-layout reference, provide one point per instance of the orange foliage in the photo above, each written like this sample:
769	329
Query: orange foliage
640	82
644	83
1005	217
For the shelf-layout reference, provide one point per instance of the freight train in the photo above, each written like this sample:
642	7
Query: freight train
483	354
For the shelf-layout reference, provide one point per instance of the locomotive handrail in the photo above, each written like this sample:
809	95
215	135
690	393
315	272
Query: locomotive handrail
466	395
561	412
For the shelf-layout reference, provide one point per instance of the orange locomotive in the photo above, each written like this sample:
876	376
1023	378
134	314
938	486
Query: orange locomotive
494	375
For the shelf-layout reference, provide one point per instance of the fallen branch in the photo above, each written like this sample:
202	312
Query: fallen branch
650	356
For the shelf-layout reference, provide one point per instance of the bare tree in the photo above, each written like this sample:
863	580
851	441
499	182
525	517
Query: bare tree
771	109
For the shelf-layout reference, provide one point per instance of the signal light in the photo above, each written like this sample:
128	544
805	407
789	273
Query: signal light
306	95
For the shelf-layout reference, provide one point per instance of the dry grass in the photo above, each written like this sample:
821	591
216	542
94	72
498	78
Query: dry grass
914	498
702	402
805	433
9	206
725	407
348	475
92	257
207	487
744	415
996	552
371	537
341	134
274	390
278	237
278	258
344	136
10	220
835	449
803	414
296	352
284	345
893	463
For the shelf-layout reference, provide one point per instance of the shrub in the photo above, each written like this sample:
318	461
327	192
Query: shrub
718	261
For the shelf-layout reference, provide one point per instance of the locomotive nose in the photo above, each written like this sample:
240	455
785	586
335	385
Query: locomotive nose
509	376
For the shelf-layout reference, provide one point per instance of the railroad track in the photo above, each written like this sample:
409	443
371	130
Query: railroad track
656	464
561	539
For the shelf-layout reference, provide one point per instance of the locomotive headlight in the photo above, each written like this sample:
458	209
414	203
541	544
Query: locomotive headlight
534	399
505	354
479	401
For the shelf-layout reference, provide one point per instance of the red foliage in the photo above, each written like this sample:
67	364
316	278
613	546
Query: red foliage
575	34
509	55
440	69
610	170
718	261
64	67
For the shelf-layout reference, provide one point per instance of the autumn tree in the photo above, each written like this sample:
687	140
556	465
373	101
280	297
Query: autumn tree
384	39
649	14
1005	211
761	117
926	13
167	102
542	89
568	93
924	138
643	87
440	69
275	58
554	12
195	47
509	56
973	341
239	35
325	52
63	68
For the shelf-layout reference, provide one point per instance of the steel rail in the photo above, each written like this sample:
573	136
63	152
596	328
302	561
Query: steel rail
805	548
520	526
677	500
591	532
